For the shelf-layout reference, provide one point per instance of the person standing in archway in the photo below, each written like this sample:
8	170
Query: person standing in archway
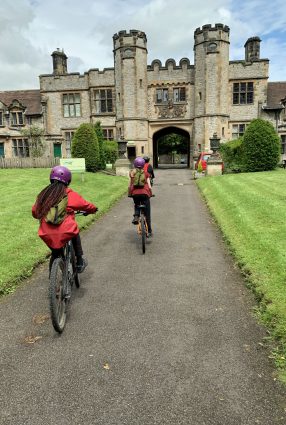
148	168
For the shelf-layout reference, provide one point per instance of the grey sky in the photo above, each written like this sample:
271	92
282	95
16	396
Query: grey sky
30	30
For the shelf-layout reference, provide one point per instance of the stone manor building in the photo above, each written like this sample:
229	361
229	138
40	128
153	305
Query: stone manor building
139	103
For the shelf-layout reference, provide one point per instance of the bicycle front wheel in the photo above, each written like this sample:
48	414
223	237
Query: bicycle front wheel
57	296
143	232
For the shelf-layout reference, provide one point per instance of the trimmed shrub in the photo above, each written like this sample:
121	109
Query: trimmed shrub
261	146
85	145
232	155
110	149
100	138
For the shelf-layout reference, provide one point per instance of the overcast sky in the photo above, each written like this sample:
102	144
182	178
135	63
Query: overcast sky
30	30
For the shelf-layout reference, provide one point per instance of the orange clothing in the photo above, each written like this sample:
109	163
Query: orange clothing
57	235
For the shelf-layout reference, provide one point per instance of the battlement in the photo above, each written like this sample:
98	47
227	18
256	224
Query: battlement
156	63
209	27
131	33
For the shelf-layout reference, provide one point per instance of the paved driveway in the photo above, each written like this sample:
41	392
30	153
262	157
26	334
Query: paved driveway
165	338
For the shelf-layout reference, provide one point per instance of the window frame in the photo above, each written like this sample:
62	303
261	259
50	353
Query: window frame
181	94
16	118
241	127
1	118
243	93
108	133
103	99
162	95
71	104
24	147
68	142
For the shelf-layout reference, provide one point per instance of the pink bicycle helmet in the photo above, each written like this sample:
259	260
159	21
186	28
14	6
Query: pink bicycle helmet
139	162
61	174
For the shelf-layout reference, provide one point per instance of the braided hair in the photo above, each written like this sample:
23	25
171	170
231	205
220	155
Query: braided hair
50	196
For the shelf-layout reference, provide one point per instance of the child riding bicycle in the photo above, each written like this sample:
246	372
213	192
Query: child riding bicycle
55	207
140	190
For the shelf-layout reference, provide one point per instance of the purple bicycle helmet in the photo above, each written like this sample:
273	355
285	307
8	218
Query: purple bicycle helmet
61	174
139	162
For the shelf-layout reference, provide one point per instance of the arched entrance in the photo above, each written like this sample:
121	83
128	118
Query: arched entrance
171	148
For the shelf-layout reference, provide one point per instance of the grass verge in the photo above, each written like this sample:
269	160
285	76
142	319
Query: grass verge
21	249
250	210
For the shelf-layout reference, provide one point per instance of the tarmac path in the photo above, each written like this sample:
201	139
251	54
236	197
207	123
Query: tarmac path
162	338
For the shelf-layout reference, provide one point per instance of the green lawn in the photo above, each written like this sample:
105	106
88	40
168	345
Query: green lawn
21	249
250	209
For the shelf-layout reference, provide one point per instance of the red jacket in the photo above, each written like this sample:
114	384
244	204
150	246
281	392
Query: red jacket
57	235
139	190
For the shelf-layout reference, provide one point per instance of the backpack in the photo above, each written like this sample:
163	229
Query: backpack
57	214
139	178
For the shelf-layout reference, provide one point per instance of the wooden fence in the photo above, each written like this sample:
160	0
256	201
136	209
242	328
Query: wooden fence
28	162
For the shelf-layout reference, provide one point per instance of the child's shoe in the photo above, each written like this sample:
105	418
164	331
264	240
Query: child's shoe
81	264
135	219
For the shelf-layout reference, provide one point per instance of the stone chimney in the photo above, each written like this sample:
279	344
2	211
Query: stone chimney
252	49
59	62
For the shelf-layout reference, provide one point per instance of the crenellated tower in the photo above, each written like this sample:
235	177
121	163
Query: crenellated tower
211	104
130	65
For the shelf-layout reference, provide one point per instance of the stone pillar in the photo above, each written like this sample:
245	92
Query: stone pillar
214	163
122	164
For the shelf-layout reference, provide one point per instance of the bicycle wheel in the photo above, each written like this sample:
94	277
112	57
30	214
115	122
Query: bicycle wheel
143	232
57	296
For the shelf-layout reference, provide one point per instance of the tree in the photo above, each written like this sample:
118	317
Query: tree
232	155
85	145
261	146
100	138
36	140
173	142
110	149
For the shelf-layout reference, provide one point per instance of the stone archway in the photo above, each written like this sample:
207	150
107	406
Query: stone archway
178	155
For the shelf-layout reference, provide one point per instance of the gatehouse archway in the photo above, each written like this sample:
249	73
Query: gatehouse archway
171	148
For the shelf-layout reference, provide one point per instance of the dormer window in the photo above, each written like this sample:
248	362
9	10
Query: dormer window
17	118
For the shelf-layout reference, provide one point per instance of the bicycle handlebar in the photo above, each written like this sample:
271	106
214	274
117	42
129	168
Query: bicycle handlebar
84	212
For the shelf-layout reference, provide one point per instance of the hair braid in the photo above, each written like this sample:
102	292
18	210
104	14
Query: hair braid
50	196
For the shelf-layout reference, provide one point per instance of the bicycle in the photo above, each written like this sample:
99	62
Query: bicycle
142	227
63	275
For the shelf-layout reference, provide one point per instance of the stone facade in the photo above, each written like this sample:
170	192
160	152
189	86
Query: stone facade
139	102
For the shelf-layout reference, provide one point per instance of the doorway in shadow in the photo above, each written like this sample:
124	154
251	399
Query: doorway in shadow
171	148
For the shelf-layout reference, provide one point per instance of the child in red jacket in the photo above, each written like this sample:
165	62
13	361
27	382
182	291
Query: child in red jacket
141	194
56	235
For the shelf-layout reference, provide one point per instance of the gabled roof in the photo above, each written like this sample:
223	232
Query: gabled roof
275	92
31	99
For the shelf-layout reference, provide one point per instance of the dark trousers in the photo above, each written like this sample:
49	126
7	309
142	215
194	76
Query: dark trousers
76	241
143	199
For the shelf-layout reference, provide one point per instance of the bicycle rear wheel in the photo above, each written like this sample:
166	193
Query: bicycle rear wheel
57	295
143	233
